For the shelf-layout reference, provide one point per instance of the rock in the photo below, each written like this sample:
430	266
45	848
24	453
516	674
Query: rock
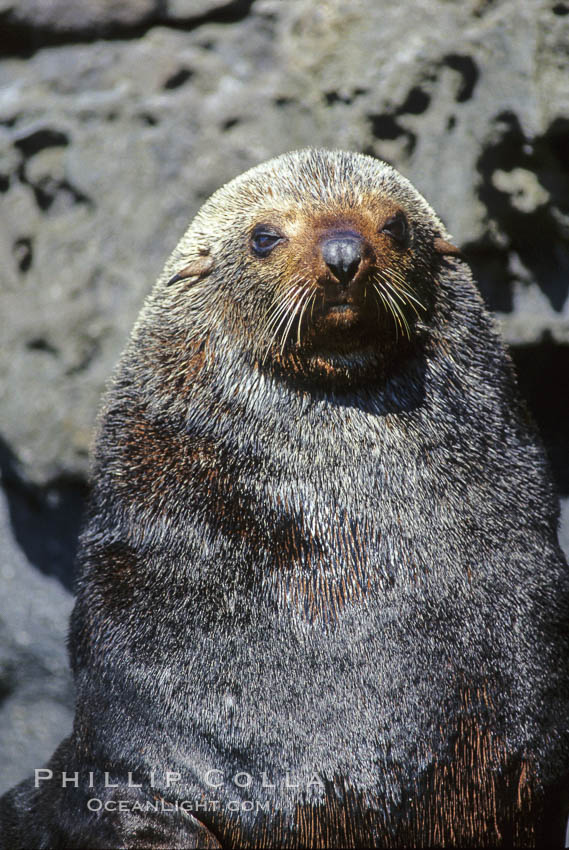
36	694
61	17
31	24
527	194
191	10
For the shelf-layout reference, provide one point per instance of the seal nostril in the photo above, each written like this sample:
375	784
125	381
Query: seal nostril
342	255
352	268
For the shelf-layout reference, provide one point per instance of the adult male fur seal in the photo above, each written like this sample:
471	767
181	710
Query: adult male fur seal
321	600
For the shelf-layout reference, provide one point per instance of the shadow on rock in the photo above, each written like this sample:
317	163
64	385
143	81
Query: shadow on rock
542	374
524	187
45	520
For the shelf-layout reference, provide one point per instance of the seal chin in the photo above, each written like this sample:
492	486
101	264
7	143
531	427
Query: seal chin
345	369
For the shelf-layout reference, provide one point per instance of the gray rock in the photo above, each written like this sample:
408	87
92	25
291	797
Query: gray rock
33	23
60	16
36	695
190	10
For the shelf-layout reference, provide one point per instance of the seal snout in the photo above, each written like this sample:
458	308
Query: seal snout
343	252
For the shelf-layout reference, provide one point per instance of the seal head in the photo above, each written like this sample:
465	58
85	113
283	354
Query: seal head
316	264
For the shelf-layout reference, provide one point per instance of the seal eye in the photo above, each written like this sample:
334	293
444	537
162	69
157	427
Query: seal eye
264	239
397	227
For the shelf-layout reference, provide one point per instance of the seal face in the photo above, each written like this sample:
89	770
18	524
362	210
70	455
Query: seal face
334	281
322	602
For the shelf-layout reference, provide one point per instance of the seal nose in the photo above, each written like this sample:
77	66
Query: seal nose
342	254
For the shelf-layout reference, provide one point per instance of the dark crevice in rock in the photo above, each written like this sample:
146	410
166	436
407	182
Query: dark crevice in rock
92	349
39	343
7	681
560	9
147	119
332	97
229	123
542	373
178	79
483	7
38	140
528	225
468	70
61	191
385	125
53	194
284	101
416	102
231	13
48	189
23	253
45	520
18	38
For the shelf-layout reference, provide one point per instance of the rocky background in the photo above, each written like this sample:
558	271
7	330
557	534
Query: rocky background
118	118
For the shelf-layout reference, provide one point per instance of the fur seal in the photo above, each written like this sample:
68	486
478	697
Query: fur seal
321	599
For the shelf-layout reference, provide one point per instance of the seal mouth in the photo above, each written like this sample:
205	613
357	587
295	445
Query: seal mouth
340	313
342	305
339	307
346	318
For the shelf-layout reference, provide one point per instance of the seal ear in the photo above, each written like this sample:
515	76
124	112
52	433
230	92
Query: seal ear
444	247
200	267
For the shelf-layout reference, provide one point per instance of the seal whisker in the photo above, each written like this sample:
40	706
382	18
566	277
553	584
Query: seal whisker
281	295
409	296
289	324
400	312
314	295
280	317
397	291
403	286
310	292
280	305
388	306
376	300
281	310
399	301
396	309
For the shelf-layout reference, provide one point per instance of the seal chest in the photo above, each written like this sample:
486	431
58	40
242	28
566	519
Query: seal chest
321	551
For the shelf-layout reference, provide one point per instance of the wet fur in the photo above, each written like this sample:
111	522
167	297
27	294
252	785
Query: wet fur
335	565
